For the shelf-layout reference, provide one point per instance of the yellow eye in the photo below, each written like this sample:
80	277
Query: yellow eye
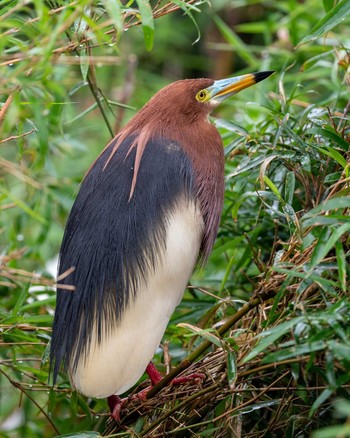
202	95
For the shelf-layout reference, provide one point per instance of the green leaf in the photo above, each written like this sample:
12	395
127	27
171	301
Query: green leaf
34	319
231	126
294	351
334	17
289	187
325	243
333	431
114	9
341	261
147	23
84	63
228	271
19	203
331	204
239	203
205	333
325	394
343	407
80	435
231	368
20	300
268	337
272	187
330	152
187	8
328	5
233	39
331	219
331	135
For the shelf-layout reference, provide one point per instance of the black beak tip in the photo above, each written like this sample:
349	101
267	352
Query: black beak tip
261	75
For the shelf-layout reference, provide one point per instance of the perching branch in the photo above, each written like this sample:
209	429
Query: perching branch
189	360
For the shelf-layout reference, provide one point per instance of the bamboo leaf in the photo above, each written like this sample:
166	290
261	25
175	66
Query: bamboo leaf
341	261
333	431
330	152
334	17
289	187
84	64
273	187
325	243
201	332
233	39
331	135
24	207
114	9
147	23
80	435
187	8
331	204
231	368
268	337
20	300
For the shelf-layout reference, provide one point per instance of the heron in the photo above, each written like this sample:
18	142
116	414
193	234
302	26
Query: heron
147	213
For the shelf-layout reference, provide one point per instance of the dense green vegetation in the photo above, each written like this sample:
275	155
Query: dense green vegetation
268	318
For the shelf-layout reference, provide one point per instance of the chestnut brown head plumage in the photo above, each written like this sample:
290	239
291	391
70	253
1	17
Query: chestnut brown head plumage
147	211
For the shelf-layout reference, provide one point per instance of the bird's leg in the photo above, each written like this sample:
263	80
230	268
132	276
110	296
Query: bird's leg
156	377
115	404
188	378
153	373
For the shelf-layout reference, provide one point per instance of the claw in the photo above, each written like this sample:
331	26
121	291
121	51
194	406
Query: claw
116	404
188	378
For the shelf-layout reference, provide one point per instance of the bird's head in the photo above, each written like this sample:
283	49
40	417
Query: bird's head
220	90
190	99
179	112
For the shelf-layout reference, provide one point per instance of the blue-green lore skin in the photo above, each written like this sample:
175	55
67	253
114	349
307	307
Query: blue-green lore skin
224	88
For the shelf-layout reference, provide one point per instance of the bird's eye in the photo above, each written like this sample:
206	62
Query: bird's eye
201	95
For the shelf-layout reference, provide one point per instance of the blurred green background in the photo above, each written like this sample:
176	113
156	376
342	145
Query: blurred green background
73	73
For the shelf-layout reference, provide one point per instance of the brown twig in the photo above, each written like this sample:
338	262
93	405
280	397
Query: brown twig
23	391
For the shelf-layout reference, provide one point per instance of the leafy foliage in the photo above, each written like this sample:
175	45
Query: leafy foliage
267	319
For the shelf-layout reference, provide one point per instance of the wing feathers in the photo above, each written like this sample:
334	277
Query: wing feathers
113	242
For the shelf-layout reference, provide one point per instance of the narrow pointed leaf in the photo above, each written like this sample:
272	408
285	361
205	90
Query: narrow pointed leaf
326	243
114	9
270	336
147	23
334	17
201	332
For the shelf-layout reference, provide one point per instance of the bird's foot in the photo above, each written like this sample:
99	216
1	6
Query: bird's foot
141	395
116	404
156	377
184	379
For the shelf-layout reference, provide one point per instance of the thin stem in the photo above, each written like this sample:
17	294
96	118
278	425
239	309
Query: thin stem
185	363
179	406
91	78
18	386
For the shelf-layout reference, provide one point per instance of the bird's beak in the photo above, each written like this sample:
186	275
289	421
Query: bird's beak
225	88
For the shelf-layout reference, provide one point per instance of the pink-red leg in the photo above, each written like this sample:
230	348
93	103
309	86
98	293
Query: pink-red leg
153	373
156	377
188	378
116	403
